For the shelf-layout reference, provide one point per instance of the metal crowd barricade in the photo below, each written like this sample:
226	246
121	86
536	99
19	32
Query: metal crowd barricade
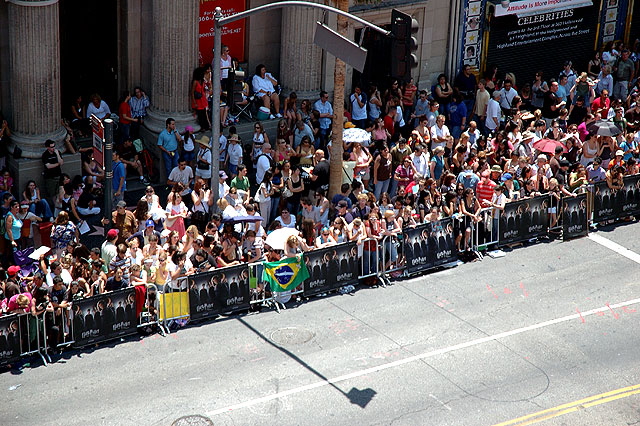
486	232
370	260
590	190
33	336
173	303
555	214
64	321
149	314
259	292
392	257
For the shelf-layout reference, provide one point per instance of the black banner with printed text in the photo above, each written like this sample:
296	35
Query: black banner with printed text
429	245
10	338
330	268
104	316
524	219
574	217
216	292
611	203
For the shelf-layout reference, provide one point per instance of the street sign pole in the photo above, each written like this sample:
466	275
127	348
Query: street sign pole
215	107
108	168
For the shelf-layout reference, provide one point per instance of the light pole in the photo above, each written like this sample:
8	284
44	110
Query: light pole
215	108
108	168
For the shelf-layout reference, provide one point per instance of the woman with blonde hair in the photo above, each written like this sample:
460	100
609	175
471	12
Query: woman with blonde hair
189	237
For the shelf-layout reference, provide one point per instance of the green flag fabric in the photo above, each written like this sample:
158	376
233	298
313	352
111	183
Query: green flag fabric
285	274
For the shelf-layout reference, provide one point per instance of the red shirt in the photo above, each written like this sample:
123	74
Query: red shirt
124	109
388	124
484	189
597	104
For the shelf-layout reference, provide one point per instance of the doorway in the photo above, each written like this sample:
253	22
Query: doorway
88	51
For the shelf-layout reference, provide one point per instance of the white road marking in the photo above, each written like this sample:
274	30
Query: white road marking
441	403
605	242
418	357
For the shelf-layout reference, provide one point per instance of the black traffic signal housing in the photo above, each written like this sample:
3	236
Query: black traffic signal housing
403	44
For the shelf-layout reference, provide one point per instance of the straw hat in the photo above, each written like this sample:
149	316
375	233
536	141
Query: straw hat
204	140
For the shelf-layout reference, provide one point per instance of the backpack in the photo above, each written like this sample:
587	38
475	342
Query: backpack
272	162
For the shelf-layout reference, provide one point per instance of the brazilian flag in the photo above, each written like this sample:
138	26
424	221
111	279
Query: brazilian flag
285	274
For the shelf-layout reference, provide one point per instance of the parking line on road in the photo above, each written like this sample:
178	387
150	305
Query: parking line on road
571	407
579	315
605	242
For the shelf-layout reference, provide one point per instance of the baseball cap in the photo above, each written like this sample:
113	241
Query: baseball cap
13	269
620	152
222	174
564	163
342	203
121	204
506	177
150	222
112	233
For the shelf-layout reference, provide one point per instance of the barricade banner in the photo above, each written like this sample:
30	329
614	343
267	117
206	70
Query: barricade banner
574	217
104	316
416	247
524	219
9	339
430	245
604	202
222	290
330	268
631	204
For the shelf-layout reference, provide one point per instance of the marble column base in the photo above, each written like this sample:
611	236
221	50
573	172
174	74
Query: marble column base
33	145
155	121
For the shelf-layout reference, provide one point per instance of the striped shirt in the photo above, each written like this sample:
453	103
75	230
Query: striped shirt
484	189
139	106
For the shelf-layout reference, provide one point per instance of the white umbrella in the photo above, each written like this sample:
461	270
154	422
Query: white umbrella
355	135
278	238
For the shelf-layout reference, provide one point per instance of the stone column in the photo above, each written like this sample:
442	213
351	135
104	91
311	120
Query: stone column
300	58
175	56
34	48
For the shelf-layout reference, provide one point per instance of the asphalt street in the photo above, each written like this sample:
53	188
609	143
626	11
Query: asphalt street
545	335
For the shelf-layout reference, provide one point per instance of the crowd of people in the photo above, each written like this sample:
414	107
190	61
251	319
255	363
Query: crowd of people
451	150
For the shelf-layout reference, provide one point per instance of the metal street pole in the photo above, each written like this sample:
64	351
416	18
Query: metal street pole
108	169
215	107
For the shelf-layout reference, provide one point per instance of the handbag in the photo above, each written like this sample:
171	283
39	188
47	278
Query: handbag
286	193
203	165
197	95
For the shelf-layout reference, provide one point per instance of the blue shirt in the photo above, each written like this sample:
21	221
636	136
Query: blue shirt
168	140
468	182
139	106
562	93
456	113
624	146
324	108
119	171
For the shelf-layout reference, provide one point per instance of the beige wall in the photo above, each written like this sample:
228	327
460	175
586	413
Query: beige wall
263	38
432	36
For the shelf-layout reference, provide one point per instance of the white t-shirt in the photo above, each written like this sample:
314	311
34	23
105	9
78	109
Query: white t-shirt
358	112
188	144
493	111
204	173
235	153
182	176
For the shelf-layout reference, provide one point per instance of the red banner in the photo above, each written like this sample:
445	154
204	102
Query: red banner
232	34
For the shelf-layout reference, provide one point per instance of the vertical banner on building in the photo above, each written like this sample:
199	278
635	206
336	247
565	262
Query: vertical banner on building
472	29
330	268
574	217
9	339
524	219
104	316
97	139
232	34
219	291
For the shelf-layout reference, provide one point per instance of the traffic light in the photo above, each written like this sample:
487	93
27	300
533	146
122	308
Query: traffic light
403	44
